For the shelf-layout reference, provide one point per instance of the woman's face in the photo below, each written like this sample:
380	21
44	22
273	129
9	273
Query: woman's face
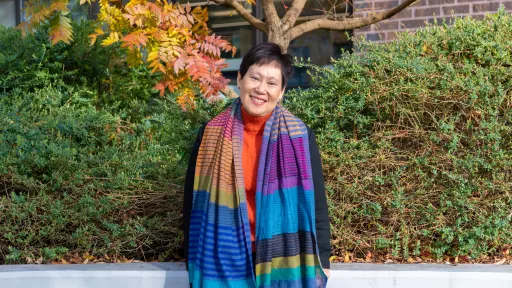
261	88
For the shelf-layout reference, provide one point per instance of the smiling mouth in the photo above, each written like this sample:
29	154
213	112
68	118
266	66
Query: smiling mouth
258	100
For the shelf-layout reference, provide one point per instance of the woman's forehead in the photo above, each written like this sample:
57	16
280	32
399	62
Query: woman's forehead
272	67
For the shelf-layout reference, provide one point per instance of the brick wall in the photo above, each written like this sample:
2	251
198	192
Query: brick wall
416	15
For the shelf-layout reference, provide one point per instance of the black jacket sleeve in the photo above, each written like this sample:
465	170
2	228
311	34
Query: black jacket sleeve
323	227
189	189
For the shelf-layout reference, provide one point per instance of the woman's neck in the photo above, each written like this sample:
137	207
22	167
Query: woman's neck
254	123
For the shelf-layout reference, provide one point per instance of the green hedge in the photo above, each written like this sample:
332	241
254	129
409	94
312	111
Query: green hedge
91	161
416	141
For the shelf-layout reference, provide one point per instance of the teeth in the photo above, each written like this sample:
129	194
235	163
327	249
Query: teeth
258	100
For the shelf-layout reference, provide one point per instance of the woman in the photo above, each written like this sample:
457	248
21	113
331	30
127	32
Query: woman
255	210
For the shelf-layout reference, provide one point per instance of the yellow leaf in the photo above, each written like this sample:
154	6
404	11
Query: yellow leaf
59	6
24	27
111	39
152	56
60	29
347	258
93	38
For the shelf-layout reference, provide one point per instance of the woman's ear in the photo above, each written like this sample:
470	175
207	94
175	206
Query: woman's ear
282	94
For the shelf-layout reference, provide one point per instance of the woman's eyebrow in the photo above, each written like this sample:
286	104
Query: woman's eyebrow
268	77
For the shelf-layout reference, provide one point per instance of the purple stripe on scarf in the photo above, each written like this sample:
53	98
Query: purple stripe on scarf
287	183
287	162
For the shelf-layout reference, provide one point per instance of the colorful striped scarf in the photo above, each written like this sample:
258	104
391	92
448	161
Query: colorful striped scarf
220	248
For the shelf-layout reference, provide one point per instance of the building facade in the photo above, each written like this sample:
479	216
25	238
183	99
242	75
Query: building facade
420	13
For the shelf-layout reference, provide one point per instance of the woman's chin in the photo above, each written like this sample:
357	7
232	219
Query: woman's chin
259	110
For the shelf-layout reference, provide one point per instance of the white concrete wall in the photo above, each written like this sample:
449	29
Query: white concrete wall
167	275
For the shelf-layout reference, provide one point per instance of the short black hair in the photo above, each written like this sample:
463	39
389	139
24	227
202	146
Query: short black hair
266	53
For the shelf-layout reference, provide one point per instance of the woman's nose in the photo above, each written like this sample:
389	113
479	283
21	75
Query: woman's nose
261	87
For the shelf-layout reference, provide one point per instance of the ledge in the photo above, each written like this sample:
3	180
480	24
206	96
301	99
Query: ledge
167	275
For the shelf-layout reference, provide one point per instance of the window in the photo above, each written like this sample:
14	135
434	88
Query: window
10	12
318	45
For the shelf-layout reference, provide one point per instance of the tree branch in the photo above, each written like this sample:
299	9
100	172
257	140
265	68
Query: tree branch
347	24
255	22
228	92
293	13
271	17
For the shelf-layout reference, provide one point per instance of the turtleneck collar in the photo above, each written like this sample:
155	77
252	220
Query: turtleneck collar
254	123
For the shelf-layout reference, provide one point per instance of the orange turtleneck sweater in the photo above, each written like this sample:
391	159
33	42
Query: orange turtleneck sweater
253	135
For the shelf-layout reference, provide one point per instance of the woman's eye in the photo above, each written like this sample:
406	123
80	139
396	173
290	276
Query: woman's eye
272	84
255	78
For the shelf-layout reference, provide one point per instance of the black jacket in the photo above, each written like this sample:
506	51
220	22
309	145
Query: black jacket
323	232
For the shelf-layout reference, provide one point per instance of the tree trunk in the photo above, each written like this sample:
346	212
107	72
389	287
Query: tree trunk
279	37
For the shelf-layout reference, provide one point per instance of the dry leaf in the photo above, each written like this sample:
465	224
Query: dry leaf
89	257
347	258
500	262
75	260
368	257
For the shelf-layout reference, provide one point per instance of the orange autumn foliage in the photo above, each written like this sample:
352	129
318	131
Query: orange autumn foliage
173	40
40	12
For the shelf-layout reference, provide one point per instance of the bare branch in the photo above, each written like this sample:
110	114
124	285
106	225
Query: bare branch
347	24
255	22
293	13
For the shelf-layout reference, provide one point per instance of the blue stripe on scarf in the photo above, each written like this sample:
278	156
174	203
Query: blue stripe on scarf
210	282
282	203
